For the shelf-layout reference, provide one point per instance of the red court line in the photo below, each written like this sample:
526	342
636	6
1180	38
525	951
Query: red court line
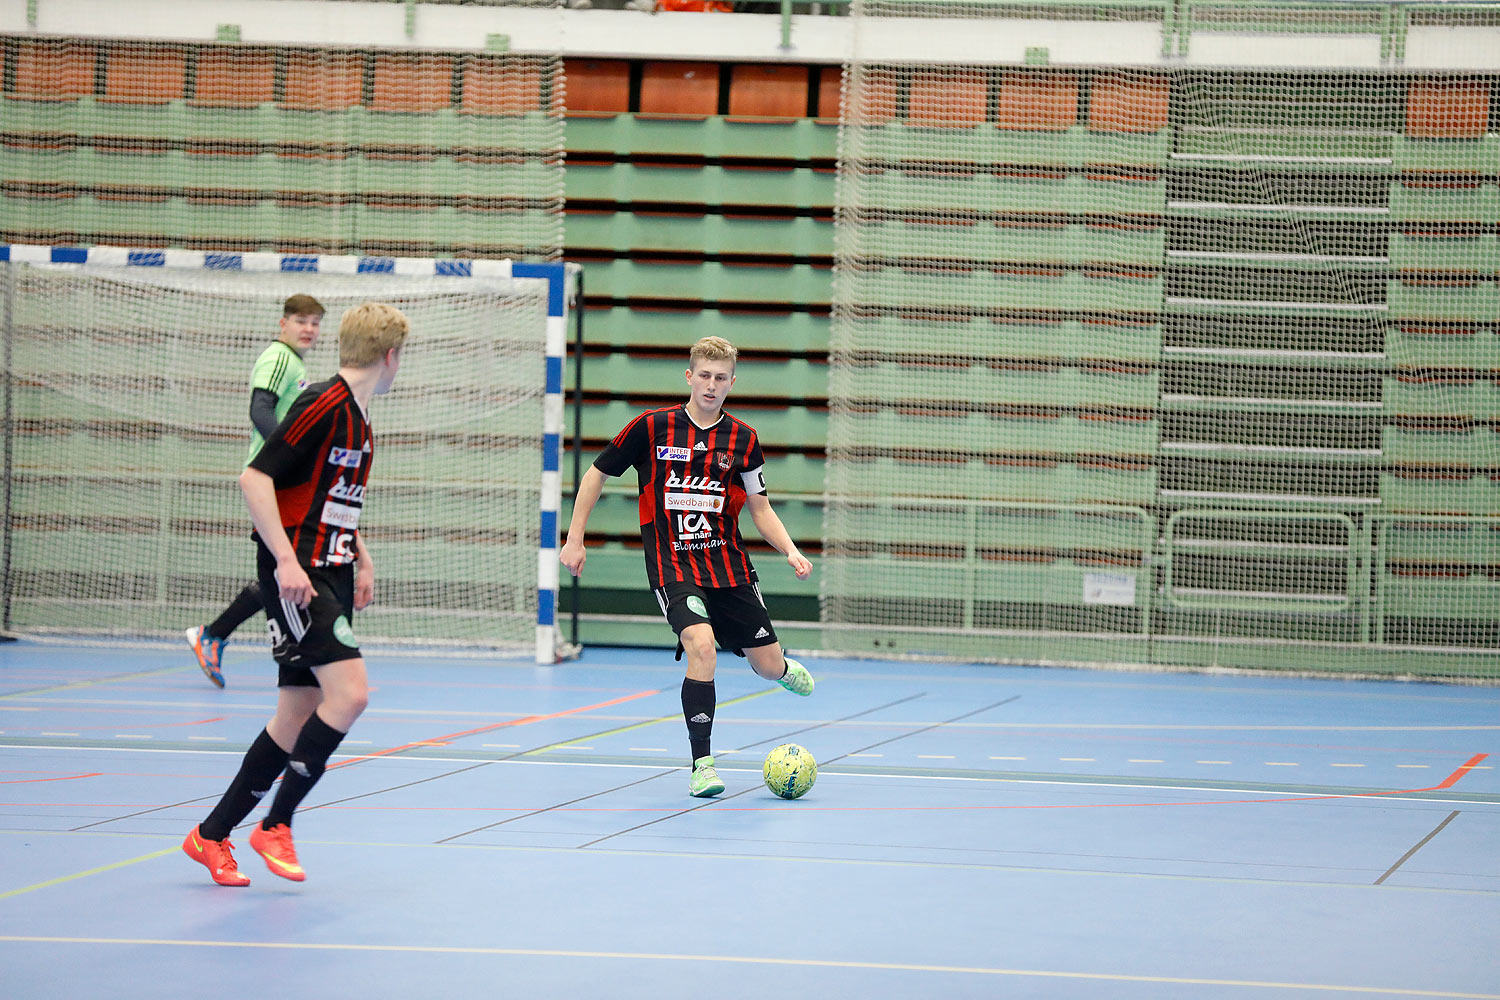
444	740
66	777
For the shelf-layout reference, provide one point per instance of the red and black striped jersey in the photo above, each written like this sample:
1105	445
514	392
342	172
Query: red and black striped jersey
319	458
693	484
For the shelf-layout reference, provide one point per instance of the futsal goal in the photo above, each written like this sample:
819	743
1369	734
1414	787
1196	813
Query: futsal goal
126	422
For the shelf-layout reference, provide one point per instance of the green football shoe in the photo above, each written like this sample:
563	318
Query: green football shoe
796	679
705	780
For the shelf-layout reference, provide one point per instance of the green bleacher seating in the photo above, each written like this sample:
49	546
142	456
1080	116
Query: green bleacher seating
708	184
710	234
679	327
628	135
709	282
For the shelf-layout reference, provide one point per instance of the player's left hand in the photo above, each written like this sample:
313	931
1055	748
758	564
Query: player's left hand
364	586
800	564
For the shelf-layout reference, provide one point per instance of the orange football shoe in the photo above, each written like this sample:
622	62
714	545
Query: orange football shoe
216	856
275	845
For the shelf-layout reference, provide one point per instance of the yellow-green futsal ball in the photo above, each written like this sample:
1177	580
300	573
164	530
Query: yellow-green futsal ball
790	771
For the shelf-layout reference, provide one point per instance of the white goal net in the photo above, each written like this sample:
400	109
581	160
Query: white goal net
127	422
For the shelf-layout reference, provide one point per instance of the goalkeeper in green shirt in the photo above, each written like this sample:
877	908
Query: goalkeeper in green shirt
278	379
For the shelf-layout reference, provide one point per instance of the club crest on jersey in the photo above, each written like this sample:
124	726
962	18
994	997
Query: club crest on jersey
349	458
724	459
666	453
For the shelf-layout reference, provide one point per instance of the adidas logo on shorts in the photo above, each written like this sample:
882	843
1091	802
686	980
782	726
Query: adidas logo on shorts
762	633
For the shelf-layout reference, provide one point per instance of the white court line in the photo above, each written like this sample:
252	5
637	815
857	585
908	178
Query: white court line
1000	779
699	958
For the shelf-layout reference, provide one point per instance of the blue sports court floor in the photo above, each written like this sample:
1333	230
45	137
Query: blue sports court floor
503	830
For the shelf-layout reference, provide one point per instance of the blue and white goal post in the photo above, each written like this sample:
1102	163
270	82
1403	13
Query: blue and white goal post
126	420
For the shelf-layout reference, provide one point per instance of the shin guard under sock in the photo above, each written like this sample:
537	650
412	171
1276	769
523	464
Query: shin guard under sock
309	758
698	703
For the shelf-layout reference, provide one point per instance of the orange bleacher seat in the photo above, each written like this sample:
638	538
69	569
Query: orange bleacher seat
947	98
53	70
323	81
598	87
234	78
830	93
501	85
1041	102
1129	102
680	89
759	91
412	82
152	74
874	95
1447	109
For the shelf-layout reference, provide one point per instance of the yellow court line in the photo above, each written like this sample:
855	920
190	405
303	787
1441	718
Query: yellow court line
92	871
752	960
74	685
640	725
1386	889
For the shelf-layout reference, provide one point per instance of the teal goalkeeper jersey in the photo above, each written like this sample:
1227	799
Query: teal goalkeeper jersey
279	369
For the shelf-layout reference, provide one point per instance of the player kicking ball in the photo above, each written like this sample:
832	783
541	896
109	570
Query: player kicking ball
306	489
698	467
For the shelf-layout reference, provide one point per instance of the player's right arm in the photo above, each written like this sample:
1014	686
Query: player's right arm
589	489
277	457
614	460
260	497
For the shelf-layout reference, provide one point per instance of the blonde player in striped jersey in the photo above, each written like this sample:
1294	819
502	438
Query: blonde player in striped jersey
278	378
697	468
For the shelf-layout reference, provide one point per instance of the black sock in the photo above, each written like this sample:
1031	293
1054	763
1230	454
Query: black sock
315	744
258	770
242	607
698	703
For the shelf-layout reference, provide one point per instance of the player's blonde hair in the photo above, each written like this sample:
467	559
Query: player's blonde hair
368	330
712	349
